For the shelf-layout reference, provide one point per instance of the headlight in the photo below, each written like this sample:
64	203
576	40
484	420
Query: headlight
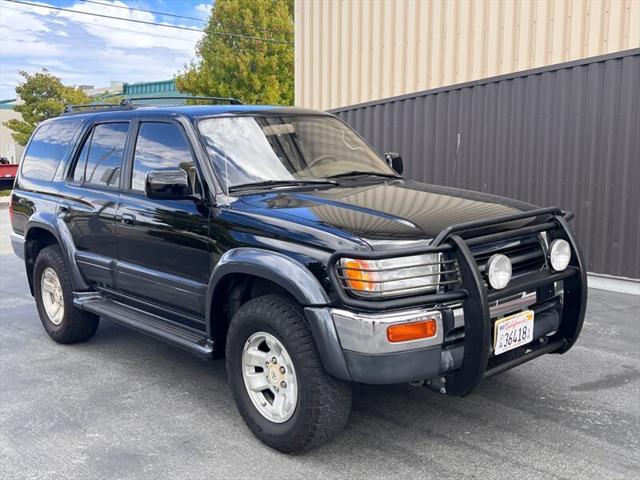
391	276
559	254
499	271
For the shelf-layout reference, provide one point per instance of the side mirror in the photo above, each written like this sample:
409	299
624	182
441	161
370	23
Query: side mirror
167	184
395	161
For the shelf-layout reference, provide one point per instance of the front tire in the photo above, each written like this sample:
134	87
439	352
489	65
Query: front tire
279	385
62	321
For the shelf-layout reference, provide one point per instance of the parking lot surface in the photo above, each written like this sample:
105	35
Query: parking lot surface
129	407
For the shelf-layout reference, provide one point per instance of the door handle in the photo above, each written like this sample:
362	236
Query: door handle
62	209
128	219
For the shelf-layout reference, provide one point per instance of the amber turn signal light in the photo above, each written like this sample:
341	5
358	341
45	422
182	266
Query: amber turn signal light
404	332
357	276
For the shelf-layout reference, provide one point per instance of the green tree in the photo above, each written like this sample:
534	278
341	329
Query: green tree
44	96
258	69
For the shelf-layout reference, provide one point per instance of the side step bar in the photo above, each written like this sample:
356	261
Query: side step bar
178	335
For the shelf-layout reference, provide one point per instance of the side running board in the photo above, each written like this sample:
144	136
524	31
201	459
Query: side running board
178	335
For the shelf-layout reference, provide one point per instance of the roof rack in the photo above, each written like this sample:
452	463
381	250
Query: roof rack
231	101
127	103
73	109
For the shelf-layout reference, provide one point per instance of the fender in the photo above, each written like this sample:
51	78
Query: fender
51	223
290	274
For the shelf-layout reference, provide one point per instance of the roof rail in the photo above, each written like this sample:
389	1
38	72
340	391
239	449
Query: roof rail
98	107
127	103
231	101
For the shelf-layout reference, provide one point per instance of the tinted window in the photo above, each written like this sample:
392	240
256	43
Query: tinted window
160	146
49	145
81	162
104	161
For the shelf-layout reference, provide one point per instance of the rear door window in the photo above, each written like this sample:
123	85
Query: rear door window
104	156
49	145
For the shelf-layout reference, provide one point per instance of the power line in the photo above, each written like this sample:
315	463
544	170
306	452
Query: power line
144	22
166	14
143	33
120	29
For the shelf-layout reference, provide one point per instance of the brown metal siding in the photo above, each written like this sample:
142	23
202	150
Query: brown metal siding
566	135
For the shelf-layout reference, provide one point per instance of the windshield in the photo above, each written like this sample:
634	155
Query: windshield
286	148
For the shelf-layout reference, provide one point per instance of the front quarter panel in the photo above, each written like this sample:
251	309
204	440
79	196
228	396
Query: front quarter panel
274	266
291	275
295	278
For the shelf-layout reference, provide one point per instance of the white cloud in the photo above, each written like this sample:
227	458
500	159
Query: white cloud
118	33
204	9
30	47
85	49
23	41
19	19
22	33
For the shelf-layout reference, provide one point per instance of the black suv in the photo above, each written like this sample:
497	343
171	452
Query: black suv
277	238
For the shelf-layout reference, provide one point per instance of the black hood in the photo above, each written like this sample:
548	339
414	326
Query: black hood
388	211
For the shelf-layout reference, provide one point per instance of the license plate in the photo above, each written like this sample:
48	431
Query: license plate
513	332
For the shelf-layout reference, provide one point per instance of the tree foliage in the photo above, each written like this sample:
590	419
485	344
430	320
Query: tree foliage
44	96
254	70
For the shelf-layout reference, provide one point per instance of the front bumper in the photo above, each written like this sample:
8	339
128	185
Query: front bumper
365	355
371	358
461	354
333	330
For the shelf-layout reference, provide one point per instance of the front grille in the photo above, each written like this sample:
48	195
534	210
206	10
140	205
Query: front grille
450	278
526	254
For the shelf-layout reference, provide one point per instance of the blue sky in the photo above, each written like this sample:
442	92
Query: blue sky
82	49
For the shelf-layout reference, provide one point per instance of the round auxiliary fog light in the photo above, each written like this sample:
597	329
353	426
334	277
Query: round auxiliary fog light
559	254
499	271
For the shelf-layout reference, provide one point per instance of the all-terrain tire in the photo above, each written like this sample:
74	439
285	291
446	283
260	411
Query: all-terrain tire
74	325
323	402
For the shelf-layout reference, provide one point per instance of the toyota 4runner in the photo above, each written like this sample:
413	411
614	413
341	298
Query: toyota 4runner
278	239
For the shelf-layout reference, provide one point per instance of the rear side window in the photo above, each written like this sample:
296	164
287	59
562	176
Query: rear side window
49	145
81	162
159	146
100	160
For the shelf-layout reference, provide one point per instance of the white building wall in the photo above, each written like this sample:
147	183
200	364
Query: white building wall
8	147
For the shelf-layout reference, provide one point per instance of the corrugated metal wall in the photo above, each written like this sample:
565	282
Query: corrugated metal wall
351	51
566	136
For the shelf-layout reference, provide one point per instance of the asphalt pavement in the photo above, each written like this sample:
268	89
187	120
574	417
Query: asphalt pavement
124	406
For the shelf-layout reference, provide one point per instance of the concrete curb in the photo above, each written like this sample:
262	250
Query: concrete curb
4	201
614	284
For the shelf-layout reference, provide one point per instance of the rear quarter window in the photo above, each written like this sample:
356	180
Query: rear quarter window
49	145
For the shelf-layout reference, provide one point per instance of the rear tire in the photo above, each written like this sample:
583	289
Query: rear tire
62	321
273	327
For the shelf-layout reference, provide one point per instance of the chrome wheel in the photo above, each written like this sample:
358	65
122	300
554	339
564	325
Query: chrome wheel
269	377
52	298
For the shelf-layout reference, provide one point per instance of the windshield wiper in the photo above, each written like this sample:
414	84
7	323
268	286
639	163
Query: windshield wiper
279	183
358	173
